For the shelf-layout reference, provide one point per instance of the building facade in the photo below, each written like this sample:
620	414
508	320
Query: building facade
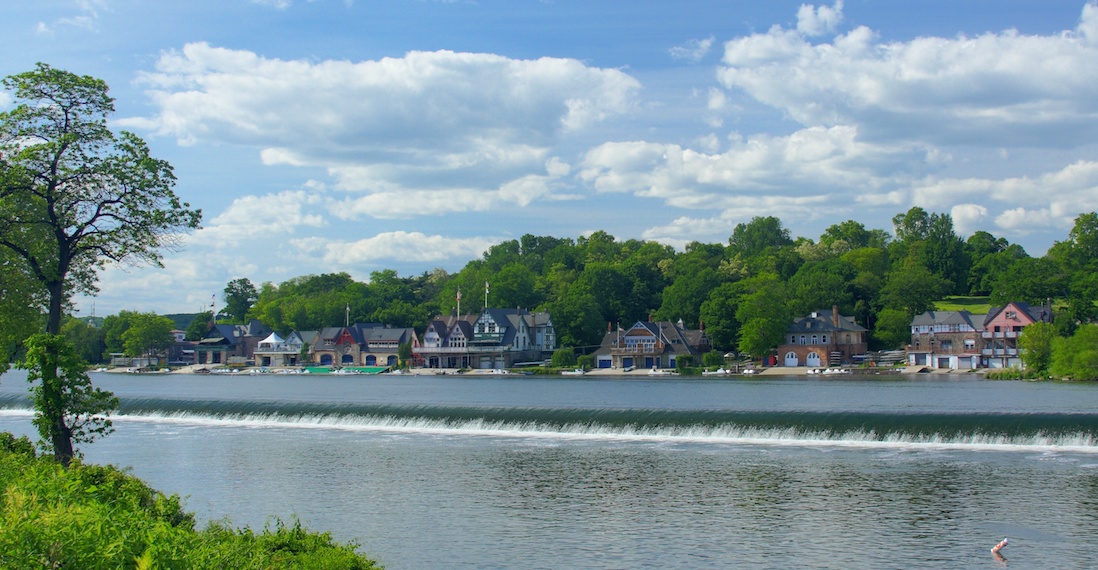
946	339
1001	329
823	339
651	345
494	338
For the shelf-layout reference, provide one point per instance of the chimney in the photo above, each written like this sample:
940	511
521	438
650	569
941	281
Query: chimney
835	315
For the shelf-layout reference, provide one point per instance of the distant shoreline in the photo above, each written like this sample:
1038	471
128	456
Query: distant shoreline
760	371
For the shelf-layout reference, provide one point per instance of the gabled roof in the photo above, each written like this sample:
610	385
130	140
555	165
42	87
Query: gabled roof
1039	314
675	338
464	326
962	317
824	321
307	337
223	334
385	334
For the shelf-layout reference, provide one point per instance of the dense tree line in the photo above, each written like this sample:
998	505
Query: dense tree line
744	292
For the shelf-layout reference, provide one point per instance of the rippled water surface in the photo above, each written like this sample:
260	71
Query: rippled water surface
524	472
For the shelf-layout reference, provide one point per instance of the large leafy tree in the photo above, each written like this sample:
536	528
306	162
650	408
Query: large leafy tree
751	238
764	315
1035	344
149	334
240	294
74	196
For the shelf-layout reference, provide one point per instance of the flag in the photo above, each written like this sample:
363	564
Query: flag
459	294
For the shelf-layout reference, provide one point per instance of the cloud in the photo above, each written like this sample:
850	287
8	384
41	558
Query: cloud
693	50
268	217
997	89
475	119
86	19
276	4
809	161
818	21
398	245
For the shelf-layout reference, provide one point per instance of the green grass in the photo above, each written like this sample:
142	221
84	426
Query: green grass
974	305
94	517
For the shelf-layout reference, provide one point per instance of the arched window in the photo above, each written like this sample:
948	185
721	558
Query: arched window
802	339
815	339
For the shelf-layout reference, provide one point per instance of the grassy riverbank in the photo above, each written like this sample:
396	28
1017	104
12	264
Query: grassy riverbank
95	517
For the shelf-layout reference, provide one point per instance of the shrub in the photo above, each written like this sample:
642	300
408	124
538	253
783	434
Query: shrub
92	517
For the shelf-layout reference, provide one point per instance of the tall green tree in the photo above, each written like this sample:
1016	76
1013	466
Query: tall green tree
149	334
74	196
764	315
239	295
751	238
88	341
200	325
1035	346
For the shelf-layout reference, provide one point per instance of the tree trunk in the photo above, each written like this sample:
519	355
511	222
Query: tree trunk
60	432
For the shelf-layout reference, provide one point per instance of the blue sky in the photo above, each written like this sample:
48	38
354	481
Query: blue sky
352	135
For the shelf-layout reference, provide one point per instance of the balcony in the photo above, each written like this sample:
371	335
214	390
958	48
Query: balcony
999	352
1000	334
637	349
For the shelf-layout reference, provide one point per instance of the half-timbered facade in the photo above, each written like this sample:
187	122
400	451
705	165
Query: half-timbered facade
494	338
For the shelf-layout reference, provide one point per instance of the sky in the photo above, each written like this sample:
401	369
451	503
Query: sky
357	136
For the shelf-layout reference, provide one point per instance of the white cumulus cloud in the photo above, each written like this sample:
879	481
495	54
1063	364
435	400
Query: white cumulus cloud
996	89
816	21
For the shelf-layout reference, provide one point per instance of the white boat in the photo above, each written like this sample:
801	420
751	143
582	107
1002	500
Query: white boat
836	371
576	372
662	372
495	371
717	372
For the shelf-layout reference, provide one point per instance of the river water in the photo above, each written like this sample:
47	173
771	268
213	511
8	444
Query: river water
432	472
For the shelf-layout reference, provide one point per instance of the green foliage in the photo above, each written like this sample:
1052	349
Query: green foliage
712	358
73	197
89	341
597	280
68	410
1029	280
239	296
200	325
912	289
149	334
586	361
1035	347
893	328
764	315
751	239
563	358
1076	357
94	517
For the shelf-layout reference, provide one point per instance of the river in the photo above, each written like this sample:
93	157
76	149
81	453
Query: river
430	472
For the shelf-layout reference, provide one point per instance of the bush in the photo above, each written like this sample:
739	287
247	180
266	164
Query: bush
563	358
92	517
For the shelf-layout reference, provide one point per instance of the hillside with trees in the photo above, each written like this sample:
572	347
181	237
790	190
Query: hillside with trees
744	292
